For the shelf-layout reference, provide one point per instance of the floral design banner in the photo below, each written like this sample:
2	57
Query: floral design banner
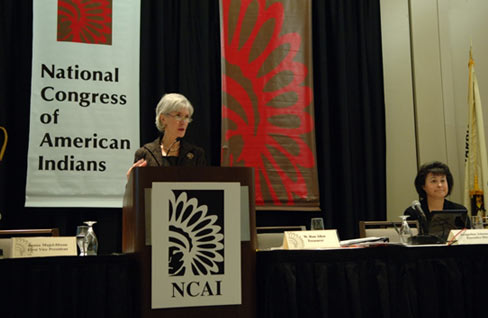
267	111
84	120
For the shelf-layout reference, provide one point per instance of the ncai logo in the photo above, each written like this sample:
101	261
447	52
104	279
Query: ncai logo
85	21
196	241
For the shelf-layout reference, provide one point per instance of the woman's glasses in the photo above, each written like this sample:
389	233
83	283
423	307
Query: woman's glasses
178	117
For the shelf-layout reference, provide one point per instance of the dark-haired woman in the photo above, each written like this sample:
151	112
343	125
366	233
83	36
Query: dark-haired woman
433	183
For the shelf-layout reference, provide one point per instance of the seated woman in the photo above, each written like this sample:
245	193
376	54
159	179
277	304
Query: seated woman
433	183
173	114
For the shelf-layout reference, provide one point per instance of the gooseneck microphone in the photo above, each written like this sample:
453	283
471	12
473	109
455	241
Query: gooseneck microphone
423	237
171	146
423	218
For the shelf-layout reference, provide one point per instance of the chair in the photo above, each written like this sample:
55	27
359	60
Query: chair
384	229
29	232
272	236
5	235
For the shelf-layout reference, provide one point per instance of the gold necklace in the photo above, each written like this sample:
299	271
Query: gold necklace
174	147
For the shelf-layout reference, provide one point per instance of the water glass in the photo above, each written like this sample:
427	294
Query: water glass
91	239
316	224
476	222
81	232
405	232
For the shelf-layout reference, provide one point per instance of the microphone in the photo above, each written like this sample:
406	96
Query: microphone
423	237
171	146
423	218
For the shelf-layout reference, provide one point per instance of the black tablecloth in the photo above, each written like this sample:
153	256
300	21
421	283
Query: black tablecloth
386	281
93	286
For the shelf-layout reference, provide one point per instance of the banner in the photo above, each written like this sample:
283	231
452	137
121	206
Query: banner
267	111
476	164
84	121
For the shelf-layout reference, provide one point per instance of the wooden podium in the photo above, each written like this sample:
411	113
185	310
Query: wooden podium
133	237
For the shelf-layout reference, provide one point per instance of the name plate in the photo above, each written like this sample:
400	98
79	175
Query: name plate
297	240
43	246
465	237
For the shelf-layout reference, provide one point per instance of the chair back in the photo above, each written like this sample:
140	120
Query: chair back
29	232
385	229
272	236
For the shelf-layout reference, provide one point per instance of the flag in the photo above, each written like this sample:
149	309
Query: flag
476	164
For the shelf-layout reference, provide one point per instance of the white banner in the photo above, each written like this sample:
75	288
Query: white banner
84	121
196	246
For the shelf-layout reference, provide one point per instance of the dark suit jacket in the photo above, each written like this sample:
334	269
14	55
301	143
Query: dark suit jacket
190	155
414	214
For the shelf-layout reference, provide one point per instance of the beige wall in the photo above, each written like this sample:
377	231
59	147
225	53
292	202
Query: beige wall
425	55
401	158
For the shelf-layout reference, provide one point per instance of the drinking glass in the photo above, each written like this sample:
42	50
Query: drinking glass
81	232
91	239
476	222
405	232
316	224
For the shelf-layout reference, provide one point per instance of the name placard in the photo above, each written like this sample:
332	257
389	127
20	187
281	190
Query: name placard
297	240
43	246
465	237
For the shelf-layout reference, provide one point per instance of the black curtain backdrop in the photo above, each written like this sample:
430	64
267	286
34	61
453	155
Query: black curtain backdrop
180	52
349	112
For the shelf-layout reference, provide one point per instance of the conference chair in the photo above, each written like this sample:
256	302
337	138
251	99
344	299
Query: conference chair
29	232
385	229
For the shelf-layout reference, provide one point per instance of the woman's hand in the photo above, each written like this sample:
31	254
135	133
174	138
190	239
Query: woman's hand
139	163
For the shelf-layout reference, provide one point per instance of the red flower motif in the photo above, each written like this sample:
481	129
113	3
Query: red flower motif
86	21
266	108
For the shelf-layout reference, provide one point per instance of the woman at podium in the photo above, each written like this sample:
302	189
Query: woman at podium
433	183
173	115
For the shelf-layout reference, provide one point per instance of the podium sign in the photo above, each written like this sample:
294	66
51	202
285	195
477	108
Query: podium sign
134	241
196	253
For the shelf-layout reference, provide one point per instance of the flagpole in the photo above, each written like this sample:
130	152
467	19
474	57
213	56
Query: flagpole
476	161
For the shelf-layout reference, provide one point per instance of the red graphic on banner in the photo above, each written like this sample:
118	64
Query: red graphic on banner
264	130
85	21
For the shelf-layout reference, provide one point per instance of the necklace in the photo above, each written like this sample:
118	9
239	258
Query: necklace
172	148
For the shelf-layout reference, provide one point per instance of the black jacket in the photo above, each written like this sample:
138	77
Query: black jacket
190	155
414	214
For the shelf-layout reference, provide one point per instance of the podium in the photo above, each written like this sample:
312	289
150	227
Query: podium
134	237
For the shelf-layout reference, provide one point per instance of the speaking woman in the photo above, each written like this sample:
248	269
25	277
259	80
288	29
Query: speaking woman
173	115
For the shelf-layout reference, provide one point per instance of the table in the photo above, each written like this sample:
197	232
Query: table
384	281
92	286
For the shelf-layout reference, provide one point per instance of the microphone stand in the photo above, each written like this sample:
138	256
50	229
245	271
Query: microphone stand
423	237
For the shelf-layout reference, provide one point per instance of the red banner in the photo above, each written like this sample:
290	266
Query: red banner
267	111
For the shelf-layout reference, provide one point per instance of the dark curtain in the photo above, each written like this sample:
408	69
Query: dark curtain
180	52
74	287
349	112
381	282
